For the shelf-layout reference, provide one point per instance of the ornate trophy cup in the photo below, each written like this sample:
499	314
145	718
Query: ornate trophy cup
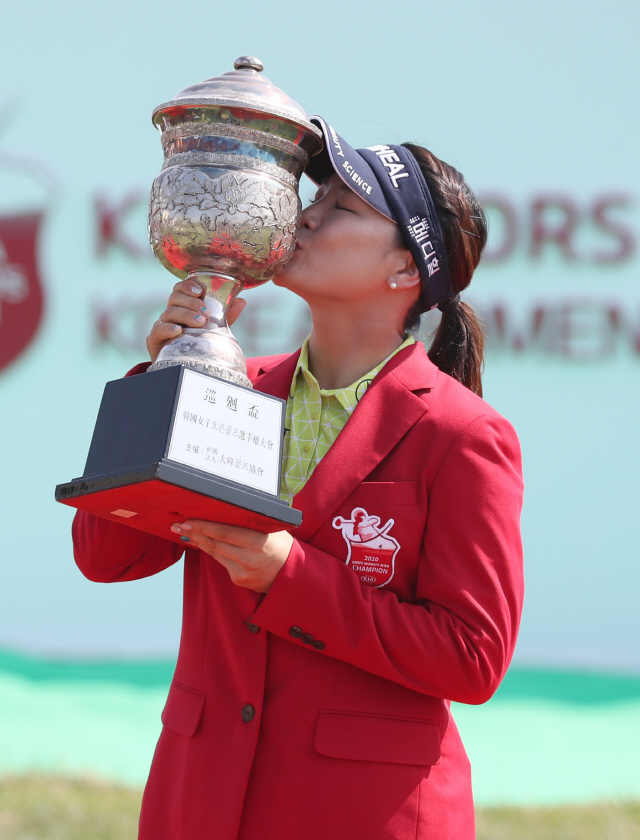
190	438
225	208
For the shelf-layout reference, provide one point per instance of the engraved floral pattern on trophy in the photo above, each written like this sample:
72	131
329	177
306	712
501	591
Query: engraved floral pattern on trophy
238	224
237	220
225	209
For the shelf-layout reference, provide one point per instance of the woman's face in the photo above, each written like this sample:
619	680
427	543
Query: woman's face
346	250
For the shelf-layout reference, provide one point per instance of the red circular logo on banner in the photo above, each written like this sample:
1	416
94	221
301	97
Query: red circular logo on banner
21	296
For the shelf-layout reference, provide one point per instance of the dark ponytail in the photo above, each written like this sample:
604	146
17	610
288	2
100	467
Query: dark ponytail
457	347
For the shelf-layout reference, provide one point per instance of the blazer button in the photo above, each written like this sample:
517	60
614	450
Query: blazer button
248	712
317	644
254	628
296	632
306	638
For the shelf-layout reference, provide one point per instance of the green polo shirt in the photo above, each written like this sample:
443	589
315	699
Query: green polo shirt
315	418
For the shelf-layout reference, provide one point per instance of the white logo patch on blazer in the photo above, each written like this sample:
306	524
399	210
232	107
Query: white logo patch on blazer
371	552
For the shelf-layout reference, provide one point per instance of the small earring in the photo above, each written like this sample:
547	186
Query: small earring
393	285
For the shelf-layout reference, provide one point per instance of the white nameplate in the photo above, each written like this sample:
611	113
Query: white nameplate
228	431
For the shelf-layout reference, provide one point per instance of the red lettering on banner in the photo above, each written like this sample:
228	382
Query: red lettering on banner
548	222
557	222
502	333
508	224
579	329
585	331
110	220
627	327
602	220
125	323
554	220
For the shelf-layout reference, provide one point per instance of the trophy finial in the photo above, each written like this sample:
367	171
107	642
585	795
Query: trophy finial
248	62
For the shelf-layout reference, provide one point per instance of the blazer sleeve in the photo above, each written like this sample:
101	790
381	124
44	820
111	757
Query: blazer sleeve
107	552
456	640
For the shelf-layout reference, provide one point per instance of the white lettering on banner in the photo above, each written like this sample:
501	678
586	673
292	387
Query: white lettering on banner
364	186
336	142
389	159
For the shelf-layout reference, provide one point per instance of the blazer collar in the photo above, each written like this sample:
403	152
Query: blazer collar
275	375
383	416
411	367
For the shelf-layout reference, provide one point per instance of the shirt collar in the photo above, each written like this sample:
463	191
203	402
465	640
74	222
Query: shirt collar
350	396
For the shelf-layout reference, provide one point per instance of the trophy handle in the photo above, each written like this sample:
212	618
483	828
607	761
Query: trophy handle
212	349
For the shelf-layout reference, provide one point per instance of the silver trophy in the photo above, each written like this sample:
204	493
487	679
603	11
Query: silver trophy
225	209
225	212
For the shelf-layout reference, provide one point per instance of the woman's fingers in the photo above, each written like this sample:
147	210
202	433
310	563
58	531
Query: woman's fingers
187	294
186	305
165	332
221	532
251	558
185	308
235	309
191	288
160	334
186	316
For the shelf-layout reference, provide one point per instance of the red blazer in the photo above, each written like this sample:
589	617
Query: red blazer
320	711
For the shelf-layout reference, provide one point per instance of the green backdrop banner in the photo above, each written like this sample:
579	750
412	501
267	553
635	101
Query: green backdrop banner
531	103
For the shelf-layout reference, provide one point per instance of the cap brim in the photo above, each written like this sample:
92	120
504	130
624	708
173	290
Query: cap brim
338	157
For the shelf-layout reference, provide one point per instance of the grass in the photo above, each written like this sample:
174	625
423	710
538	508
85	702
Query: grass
37	807
606	821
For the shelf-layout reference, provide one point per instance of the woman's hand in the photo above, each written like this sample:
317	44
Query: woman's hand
251	558
185	308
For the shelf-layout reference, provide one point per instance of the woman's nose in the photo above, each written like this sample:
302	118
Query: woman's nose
310	217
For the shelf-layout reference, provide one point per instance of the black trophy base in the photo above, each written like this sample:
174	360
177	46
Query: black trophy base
129	478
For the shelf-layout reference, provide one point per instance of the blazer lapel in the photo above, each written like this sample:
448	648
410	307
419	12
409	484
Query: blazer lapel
274	377
385	414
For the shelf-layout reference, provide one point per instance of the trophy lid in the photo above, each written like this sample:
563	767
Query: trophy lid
242	87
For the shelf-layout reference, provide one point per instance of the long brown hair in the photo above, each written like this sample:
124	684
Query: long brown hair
458	345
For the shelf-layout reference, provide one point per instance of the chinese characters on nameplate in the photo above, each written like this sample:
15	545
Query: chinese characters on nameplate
228	431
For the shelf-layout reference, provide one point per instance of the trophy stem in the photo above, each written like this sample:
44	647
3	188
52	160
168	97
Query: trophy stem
220	291
213	349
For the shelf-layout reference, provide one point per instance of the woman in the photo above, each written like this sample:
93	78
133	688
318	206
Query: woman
311	695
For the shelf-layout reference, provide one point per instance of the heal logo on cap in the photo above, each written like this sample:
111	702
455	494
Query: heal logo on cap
389	159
